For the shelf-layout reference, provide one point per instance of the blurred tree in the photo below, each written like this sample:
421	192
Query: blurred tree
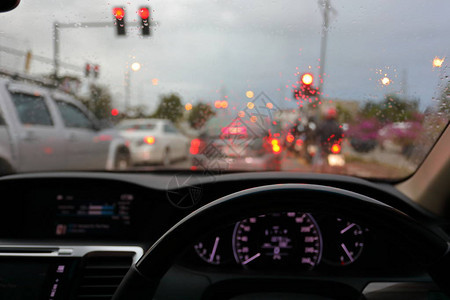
170	108
344	115
98	101
392	109
444	101
200	114
137	112
395	109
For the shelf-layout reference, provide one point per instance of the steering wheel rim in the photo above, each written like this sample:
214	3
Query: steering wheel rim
144	276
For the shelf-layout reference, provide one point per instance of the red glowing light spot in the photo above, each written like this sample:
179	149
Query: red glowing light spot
290	138
119	13
276	148
105	137
149	140
307	79
144	13
335	149
114	112
48	150
195	143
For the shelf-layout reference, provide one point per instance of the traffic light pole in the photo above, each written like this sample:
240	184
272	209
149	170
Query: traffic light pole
323	44
56	48
56	37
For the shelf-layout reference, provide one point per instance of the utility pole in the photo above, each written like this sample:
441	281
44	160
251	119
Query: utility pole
55	49
326	7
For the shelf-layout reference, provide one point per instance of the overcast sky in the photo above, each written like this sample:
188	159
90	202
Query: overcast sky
204	50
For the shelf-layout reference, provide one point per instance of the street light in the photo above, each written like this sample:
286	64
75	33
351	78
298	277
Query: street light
437	62
134	67
385	81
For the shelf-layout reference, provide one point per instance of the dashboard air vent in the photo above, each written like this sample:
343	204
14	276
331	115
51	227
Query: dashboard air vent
102	273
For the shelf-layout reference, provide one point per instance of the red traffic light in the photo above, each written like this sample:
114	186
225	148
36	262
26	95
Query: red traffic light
307	79
114	112
119	13
144	13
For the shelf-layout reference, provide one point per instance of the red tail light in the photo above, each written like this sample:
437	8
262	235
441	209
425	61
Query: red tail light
195	146
275	146
149	140
290	138
336	149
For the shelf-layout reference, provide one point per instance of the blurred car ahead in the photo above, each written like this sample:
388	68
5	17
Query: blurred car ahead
154	141
236	146
45	129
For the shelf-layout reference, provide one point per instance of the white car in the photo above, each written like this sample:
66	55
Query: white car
43	128
154	141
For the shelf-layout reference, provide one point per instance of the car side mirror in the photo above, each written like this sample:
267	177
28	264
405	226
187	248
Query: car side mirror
7	5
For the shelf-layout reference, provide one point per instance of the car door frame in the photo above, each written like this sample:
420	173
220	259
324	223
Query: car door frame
90	151
49	154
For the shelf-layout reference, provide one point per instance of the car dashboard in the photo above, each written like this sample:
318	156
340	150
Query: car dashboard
74	236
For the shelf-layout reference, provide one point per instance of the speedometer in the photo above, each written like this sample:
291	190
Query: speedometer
278	240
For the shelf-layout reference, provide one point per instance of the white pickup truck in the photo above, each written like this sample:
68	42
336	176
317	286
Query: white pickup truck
45	129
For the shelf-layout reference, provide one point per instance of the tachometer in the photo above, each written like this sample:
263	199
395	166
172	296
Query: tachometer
213	250
344	241
278	240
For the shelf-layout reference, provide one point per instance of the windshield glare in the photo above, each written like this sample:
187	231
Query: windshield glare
342	87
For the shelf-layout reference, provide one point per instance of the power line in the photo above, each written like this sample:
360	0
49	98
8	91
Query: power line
40	58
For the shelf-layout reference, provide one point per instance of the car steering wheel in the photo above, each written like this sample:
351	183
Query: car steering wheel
427	245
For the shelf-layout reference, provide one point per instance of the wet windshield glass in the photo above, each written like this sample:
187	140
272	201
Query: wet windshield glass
344	87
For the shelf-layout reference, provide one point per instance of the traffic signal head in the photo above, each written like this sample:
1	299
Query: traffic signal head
96	71
306	88
144	13
307	79
87	70
119	19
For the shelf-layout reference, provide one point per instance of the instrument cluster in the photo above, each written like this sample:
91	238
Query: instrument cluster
286	241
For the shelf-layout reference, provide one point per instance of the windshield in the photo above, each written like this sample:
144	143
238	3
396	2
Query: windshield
342	87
